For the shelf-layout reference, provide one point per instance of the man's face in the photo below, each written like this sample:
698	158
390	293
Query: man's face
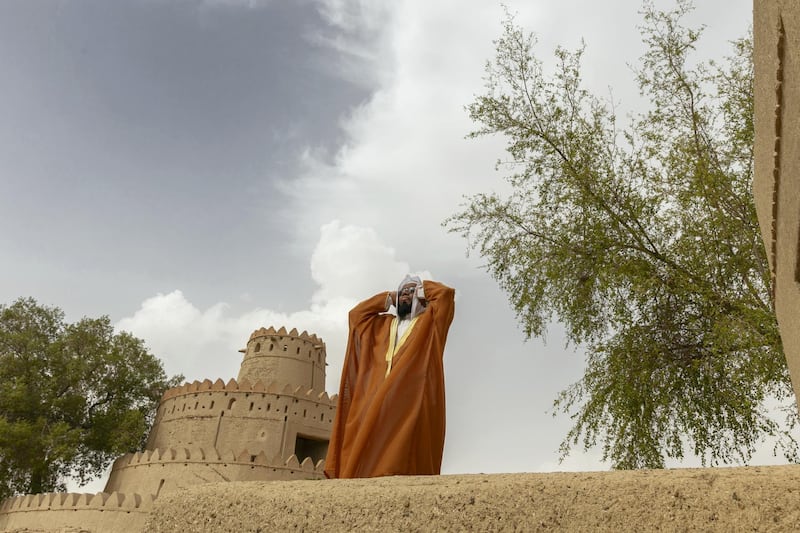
405	296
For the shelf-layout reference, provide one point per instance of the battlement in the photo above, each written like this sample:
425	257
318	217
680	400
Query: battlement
273	387
68	501
172	469
204	456
271	331
104	511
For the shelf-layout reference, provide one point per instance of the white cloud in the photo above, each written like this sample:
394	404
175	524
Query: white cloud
351	260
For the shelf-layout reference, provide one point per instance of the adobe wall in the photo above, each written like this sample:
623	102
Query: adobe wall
237	416
698	499
776	186
159	472
102	512
702	499
288	357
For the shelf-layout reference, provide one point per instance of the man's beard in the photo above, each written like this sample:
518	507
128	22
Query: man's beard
403	309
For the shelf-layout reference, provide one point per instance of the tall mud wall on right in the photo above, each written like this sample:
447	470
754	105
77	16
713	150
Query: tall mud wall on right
776	187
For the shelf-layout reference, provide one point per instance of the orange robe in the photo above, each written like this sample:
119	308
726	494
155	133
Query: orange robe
392	424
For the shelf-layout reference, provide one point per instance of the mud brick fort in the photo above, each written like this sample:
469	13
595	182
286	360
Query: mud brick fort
272	422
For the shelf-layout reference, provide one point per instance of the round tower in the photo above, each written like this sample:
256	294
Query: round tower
286	358
273	422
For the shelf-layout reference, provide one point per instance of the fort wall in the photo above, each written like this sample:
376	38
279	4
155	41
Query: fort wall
161	471
776	185
720	500
93	512
236	416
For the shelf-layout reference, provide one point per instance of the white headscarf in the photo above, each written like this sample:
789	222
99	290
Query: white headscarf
416	306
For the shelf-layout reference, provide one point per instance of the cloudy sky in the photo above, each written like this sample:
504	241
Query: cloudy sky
197	169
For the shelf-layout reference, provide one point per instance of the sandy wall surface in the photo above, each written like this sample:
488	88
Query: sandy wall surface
710	499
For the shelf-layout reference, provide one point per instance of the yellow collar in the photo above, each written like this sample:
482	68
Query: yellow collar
394	343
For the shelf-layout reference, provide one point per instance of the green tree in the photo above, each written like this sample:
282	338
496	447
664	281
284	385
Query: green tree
72	397
643	241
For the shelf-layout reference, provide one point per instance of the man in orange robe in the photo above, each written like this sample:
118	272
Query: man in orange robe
390	419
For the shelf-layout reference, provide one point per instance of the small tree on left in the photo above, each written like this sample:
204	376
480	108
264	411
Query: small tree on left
72	397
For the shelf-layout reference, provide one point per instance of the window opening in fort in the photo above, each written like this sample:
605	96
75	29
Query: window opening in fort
285	347
212	405
306	446
258	347
271	346
797	262
231	402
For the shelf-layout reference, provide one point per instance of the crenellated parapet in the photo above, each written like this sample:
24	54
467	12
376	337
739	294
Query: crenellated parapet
168	470
70	501
103	511
204	397
273	387
271	331
198	455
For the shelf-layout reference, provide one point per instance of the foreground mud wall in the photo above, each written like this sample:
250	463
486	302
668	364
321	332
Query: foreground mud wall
710	499
707	499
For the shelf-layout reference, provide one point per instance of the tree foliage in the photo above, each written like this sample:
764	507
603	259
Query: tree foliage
72	397
643	241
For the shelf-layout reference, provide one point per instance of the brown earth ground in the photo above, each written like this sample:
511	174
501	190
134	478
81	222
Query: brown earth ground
763	498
